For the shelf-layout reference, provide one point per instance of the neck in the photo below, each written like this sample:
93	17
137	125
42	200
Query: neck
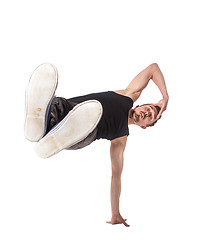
130	117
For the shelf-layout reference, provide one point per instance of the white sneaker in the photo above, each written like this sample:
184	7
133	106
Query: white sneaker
39	95
75	127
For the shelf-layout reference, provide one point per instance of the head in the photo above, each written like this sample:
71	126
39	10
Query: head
145	115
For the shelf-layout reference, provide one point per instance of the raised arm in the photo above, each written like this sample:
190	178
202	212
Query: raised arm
116	152
137	85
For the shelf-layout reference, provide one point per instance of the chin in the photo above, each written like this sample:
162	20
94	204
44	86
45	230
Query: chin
131	113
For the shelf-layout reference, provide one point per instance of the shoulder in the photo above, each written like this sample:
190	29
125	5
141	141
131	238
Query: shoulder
119	143
128	93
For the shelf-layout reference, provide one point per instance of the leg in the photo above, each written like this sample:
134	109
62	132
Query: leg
39	95
85	142
60	107
74	128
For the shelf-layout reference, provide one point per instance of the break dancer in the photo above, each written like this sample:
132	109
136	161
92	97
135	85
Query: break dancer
56	123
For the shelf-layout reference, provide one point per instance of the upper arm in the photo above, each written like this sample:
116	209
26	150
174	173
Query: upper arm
116	152
139	82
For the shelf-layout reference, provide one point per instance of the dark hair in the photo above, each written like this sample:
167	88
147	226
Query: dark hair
158	109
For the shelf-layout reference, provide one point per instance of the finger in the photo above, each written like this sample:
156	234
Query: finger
123	221
161	111
125	224
113	223
159	115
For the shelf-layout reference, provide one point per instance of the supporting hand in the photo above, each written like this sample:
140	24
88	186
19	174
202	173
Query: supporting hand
118	220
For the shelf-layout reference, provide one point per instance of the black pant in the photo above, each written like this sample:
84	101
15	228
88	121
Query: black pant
60	107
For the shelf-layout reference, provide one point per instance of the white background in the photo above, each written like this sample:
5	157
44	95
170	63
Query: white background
167	182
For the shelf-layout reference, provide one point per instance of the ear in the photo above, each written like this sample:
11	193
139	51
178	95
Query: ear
137	106
143	127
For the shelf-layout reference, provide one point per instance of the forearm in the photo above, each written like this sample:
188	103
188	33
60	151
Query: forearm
115	195
159	80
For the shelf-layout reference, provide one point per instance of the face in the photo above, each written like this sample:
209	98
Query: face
144	115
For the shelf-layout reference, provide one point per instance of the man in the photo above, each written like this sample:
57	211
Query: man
57	123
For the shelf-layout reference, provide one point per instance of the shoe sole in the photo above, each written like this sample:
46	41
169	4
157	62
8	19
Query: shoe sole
75	127
39	94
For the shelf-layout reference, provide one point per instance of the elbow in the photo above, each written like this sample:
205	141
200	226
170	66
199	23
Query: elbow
116	178
116	174
154	66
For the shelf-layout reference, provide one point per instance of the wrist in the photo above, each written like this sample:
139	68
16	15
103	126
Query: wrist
166	96
115	215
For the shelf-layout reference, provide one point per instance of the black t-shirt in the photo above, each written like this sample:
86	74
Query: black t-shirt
114	121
